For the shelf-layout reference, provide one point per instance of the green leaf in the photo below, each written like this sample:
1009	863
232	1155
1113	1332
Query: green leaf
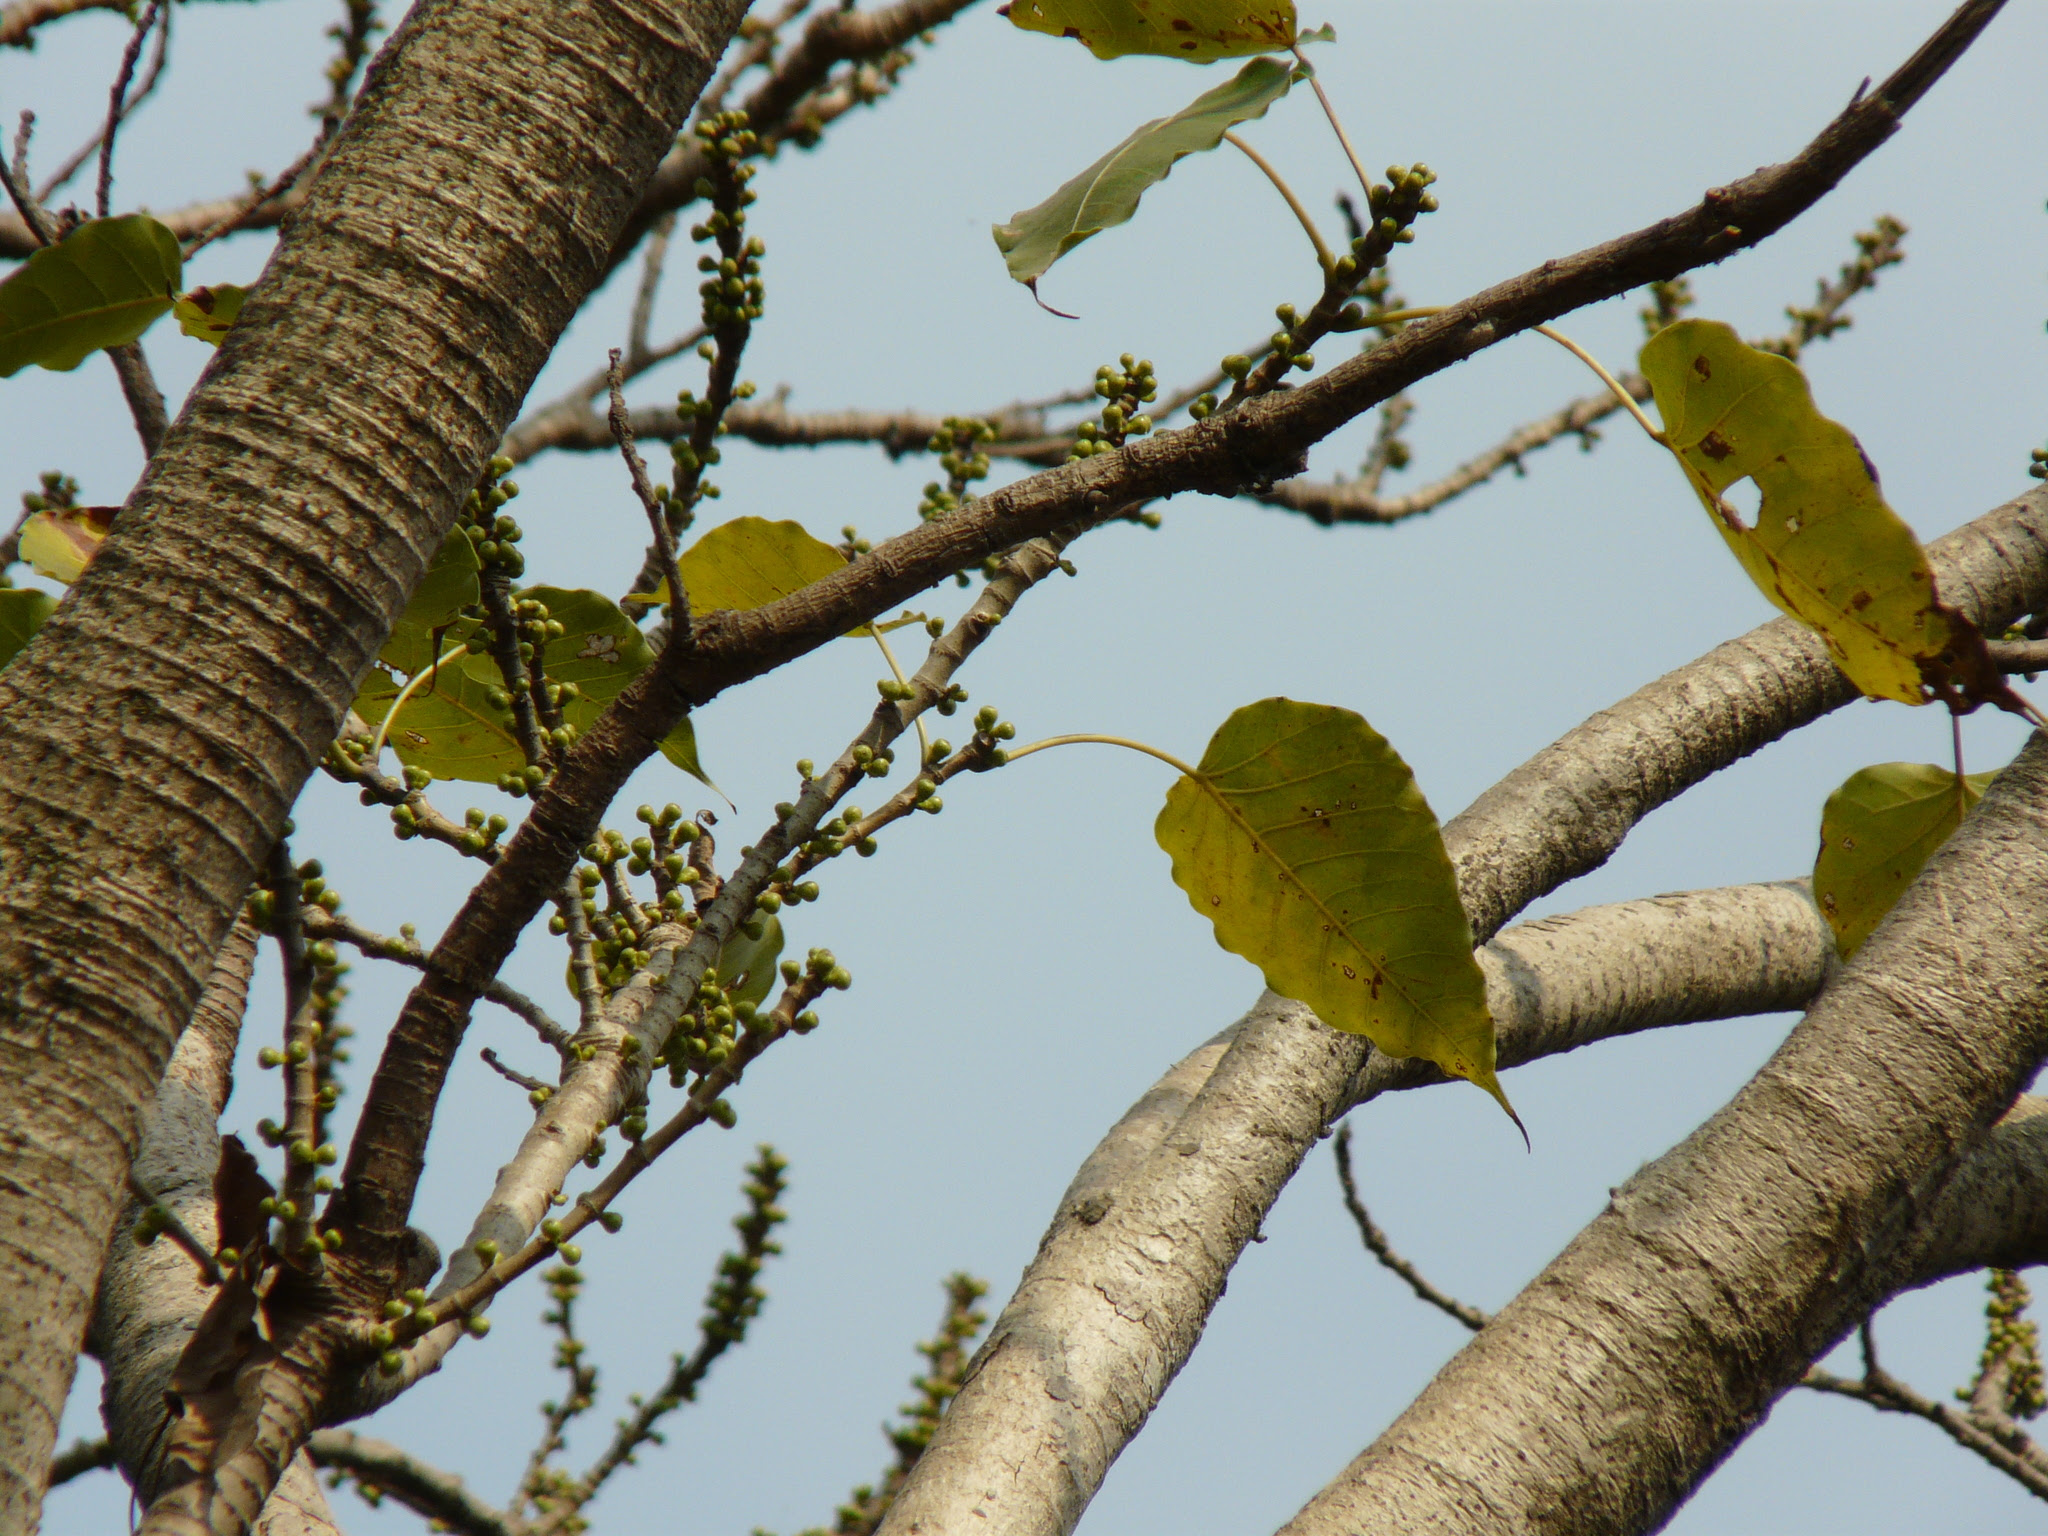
600	651
1875	833
1303	837
746	966
1199	31
1826	548
751	562
1107	193
449	586
102	285
209	313
22	611
447	726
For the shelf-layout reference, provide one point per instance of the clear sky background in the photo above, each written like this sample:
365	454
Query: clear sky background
1023	964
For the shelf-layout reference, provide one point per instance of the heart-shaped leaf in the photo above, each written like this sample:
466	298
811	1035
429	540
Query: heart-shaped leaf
102	285
1303	838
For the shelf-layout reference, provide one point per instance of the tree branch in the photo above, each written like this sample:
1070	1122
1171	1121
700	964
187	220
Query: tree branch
1101	1316
1659	1338
422	1488
1223	454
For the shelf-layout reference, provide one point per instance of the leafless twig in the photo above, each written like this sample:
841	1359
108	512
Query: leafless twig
117	102
2003	1447
1376	1243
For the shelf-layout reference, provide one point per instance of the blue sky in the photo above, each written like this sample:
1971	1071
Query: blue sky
1023	964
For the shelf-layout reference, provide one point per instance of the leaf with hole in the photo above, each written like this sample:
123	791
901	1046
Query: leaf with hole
1107	193
1825	547
61	541
1303	838
208	314
1200	31
448	726
22	611
600	650
449	586
102	285
1876	831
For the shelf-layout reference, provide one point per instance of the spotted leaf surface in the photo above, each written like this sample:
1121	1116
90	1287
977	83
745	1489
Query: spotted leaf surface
1303	838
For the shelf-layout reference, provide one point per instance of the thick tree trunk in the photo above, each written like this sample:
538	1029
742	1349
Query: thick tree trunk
154	735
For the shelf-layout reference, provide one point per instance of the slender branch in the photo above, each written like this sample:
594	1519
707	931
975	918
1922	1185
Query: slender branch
83	1456
117	101
59	178
1360	501
1262	439
1377	1245
424	1489
321	924
664	550
800	99
2028	1468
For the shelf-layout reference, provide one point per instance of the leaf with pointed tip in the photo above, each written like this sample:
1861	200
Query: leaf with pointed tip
1303	838
1200	31
102	285
1107	193
22	611
1825	548
1875	833
209	313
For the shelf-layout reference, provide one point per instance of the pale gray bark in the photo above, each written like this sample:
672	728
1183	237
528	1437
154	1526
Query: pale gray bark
1117	1297
151	1298
1597	1399
463	214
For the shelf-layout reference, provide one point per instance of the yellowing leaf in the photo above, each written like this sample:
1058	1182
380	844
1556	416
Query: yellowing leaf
751	562
1303	838
1876	831
22	611
1107	193
61	542
1197	30
102	285
209	313
1826	548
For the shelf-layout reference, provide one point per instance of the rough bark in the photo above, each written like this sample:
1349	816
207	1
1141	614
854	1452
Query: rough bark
1111	1307
157	730
1635	1362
